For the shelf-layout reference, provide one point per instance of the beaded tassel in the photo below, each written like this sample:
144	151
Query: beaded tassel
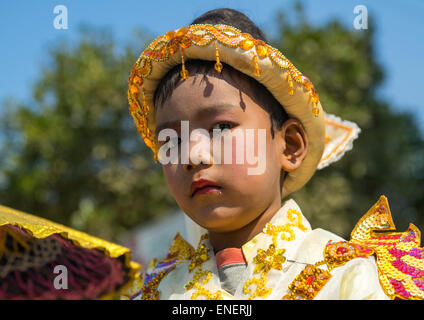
315	109
314	99
183	72
257	70
218	64
291	87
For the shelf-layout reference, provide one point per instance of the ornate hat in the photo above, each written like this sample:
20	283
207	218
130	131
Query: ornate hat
329	137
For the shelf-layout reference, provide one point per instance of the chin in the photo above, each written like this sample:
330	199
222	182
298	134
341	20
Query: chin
218	219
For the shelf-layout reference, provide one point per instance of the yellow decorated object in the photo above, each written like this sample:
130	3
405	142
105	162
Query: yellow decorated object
400	259
24	229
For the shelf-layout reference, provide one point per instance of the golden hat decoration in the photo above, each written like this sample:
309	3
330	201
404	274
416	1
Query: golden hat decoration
255	58
32	248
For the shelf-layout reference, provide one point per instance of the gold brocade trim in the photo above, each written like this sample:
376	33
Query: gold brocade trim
41	228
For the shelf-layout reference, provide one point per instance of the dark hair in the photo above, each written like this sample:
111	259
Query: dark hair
258	91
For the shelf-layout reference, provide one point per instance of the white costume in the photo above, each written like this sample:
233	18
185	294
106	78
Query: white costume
357	279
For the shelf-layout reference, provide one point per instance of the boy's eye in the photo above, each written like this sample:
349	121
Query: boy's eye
223	125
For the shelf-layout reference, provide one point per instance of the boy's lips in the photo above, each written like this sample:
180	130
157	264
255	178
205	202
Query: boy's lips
203	186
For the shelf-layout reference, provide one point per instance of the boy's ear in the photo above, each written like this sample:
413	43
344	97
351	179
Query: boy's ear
294	145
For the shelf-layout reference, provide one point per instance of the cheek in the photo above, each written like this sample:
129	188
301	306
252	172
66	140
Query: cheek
173	179
255	165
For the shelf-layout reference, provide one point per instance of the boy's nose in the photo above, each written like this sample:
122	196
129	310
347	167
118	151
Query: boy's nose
199	151
188	167
197	159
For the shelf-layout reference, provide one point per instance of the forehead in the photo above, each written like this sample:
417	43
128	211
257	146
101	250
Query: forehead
203	89
203	95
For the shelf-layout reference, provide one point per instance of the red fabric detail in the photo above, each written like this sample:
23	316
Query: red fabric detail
91	274
229	256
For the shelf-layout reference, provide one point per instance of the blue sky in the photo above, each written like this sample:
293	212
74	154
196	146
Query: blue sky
26	33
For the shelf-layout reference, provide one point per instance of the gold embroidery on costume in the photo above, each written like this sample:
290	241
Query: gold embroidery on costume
308	283
295	219
180	250
272	258
338	253
261	289
201	276
201	254
269	259
265	261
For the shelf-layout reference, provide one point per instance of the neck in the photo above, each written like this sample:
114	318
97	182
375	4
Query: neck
237	238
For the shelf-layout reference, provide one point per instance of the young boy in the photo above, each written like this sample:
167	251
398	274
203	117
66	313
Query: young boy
194	90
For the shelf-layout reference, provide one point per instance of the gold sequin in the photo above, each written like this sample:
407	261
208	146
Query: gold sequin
261	290
269	259
200	255
286	231
201	276
309	282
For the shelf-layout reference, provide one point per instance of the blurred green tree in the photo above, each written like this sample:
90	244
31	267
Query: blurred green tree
74	156
387	158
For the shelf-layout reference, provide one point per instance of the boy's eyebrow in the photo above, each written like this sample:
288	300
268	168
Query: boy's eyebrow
214	109
203	112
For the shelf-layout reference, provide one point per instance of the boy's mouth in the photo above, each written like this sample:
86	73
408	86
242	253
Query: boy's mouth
204	186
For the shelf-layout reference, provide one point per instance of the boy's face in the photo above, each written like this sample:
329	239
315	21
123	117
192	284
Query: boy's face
226	197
